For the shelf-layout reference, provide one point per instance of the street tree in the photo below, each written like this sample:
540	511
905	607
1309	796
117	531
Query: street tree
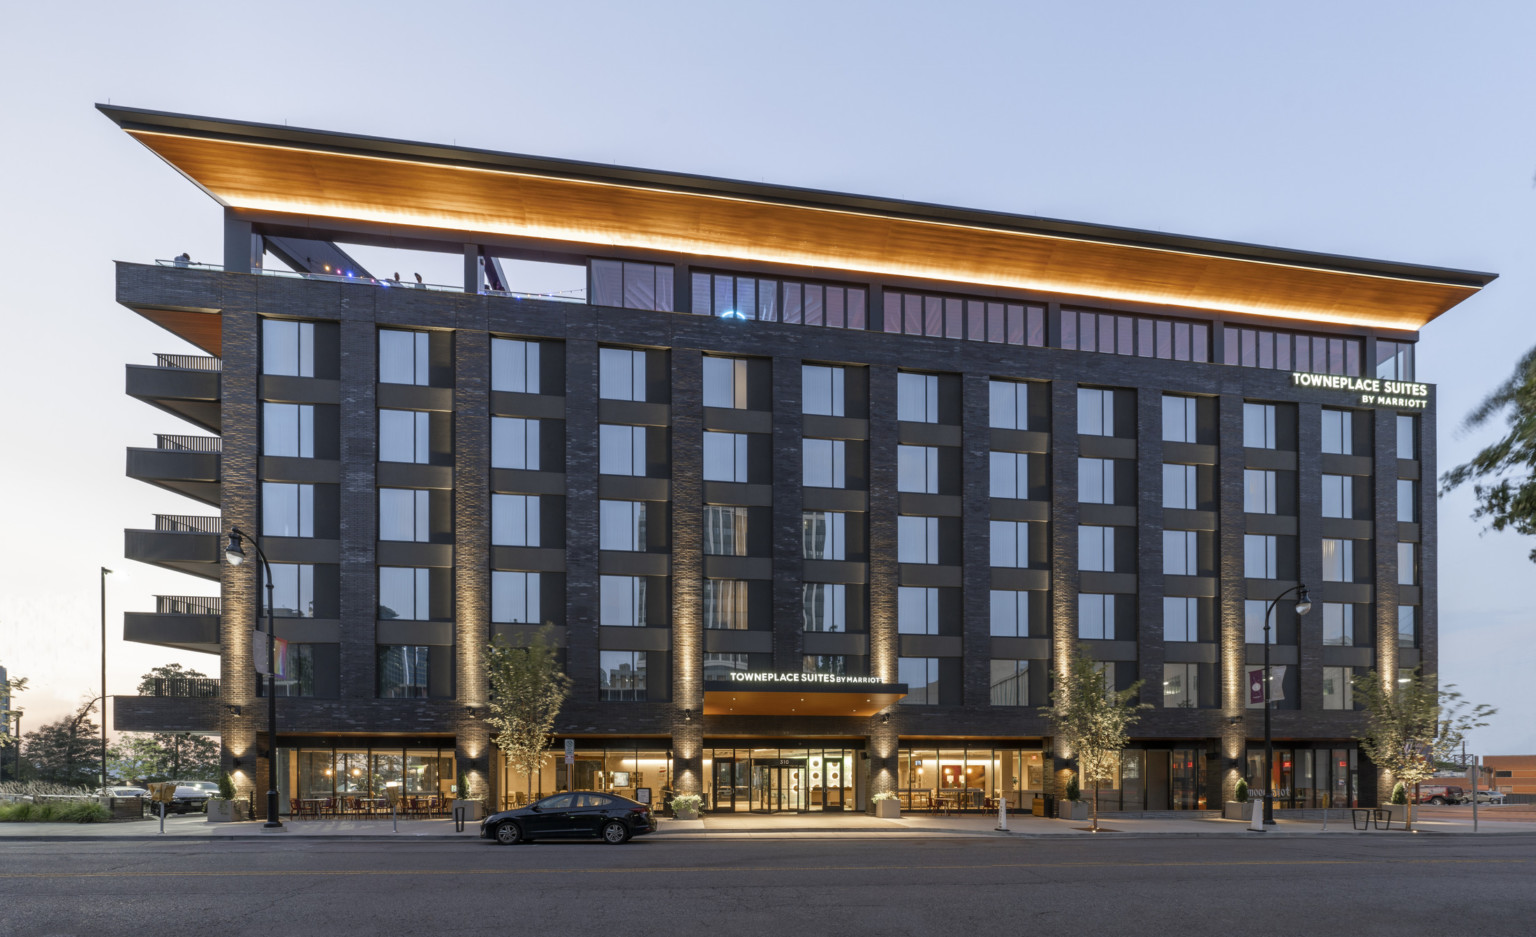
1092	719
1503	475
141	757
527	689
67	751
1412	723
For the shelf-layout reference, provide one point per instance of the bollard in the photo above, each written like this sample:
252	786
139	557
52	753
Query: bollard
1002	814
1256	823
1325	819
394	820
162	817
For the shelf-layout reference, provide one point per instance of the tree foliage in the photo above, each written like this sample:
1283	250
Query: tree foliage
527	689
141	757
1413	724
1092	719
1503	475
67	751
167	672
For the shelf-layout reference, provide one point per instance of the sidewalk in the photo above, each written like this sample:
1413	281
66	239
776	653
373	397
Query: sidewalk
757	826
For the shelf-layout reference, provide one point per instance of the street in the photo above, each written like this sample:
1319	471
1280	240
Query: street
871	885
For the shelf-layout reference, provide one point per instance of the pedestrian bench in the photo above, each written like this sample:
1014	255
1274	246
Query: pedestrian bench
1364	817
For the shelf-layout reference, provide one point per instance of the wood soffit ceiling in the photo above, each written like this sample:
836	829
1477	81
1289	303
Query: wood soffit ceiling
796	702
400	189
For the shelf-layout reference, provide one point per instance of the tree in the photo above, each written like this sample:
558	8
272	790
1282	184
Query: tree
8	709
164	756
67	751
167	672
1092	719
1412	724
1503	475
527	690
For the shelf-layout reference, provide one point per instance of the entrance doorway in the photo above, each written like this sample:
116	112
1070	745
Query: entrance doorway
779	780
778	786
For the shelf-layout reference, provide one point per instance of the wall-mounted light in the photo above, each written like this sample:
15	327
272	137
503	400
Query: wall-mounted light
687	715
885	719
233	709
235	764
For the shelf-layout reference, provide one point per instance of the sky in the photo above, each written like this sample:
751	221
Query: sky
1397	130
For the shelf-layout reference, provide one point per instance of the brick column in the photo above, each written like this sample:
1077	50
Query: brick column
883	568
687	570
471	552
1231	590
1064	572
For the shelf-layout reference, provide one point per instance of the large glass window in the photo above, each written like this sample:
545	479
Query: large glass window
1338	688
312	670
1291	351
1407	565
287	510
1181	553
621	601
621	450
725	604
917	610
825	535
1142	336
405	514
1181	618
1407	626
1181	486
1338	496
1096	481
1259	425
1180	423
821	390
515	597
288	429
1095	549
917	469
1095	411
1407	500
1009	405
917	397
956	317
917	539
515	520
825	463
287	348
1259	491
1009	476
1010	682
403	357
621	374
1095	616
1338	624
414	672
725	457
405	592
725	530
794	302
1407	437
1181	686
1338	431
1261	556
1394	360
1254	617
514	443
824	606
1338	560
630	284
921	675
725	382
515	366
1010	544
622	676
621	525
293	589
405	436
1010	613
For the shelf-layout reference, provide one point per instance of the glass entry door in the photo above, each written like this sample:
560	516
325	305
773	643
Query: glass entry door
778	787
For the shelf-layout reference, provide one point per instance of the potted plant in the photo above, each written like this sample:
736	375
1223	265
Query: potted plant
686	806
1072	806
224	808
887	807
1397	806
1239	807
462	803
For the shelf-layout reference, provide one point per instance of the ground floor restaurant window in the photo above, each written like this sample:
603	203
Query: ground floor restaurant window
968	778
640	770
1307	777
366	780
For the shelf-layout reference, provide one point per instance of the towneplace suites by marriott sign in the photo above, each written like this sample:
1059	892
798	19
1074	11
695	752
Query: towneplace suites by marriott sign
788	693
1369	391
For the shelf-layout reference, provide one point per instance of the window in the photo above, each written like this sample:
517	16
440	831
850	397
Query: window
725	604
1254	616
621	374
1407	626
725	531
314	670
1009	405
1338	690
515	597
1338	496
1258	491
794	302
1394	360
405	592
631	285
720	666
287	510
1095	549
917	469
515	520
1338	431
1338	560
1095	412
1338	624
825	463
725	457
515	366
821	390
1009	475
403	358
621	525
405	514
287	348
1291	351
1096	481
1010	614
955	317
414	672
1260	556
1259	425
725	382
405	436
921	675
917	397
1180	423
1407	565
1010	544
1181	686
824	606
1142	336
1181	618
825	663
622	676
288	429
1407	500
1095	617
293	589
824	535
917	610
917	539
621	450
514	443
1407	437
1010	682
1181	486
621	601
1181	553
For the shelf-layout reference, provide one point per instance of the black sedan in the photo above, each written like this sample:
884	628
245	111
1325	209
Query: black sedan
571	815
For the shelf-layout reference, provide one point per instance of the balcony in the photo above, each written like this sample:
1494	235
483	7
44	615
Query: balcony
193	707
187	465
184	385
183	622
184	543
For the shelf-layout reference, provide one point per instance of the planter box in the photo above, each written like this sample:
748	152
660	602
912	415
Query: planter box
1072	809
472	810
888	809
227	811
1399	812
685	814
1232	810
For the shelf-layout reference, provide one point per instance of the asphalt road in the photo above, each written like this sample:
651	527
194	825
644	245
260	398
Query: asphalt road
882	885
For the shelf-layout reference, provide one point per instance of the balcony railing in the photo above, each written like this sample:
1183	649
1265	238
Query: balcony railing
189	605
188	524
381	281
189	362
189	443
183	687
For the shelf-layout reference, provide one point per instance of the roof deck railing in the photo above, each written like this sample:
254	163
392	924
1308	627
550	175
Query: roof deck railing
386	282
188	605
188	524
189	362
167	443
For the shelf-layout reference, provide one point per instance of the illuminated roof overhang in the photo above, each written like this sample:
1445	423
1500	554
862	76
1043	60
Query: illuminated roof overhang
770	699
284	172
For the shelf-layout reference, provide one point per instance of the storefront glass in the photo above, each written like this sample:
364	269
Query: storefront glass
969	778
359	781
780	780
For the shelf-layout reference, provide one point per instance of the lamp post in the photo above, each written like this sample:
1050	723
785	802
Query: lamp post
1303	606
235	555
104	574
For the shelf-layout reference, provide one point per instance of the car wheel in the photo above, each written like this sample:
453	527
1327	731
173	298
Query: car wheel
1437	801
615	832
508	833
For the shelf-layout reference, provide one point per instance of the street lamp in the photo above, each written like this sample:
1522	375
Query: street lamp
1303	606
104	574
235	555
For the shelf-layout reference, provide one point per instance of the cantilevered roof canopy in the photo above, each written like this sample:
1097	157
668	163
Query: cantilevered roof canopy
784	697
289	174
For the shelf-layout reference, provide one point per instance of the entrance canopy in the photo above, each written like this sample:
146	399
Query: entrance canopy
799	694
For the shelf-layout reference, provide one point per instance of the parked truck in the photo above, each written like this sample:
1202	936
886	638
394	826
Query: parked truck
1439	794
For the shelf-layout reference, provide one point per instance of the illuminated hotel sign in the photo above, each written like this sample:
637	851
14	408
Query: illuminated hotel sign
766	676
1372	391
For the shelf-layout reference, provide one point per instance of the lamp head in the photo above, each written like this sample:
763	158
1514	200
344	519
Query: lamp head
233	552
1303	603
